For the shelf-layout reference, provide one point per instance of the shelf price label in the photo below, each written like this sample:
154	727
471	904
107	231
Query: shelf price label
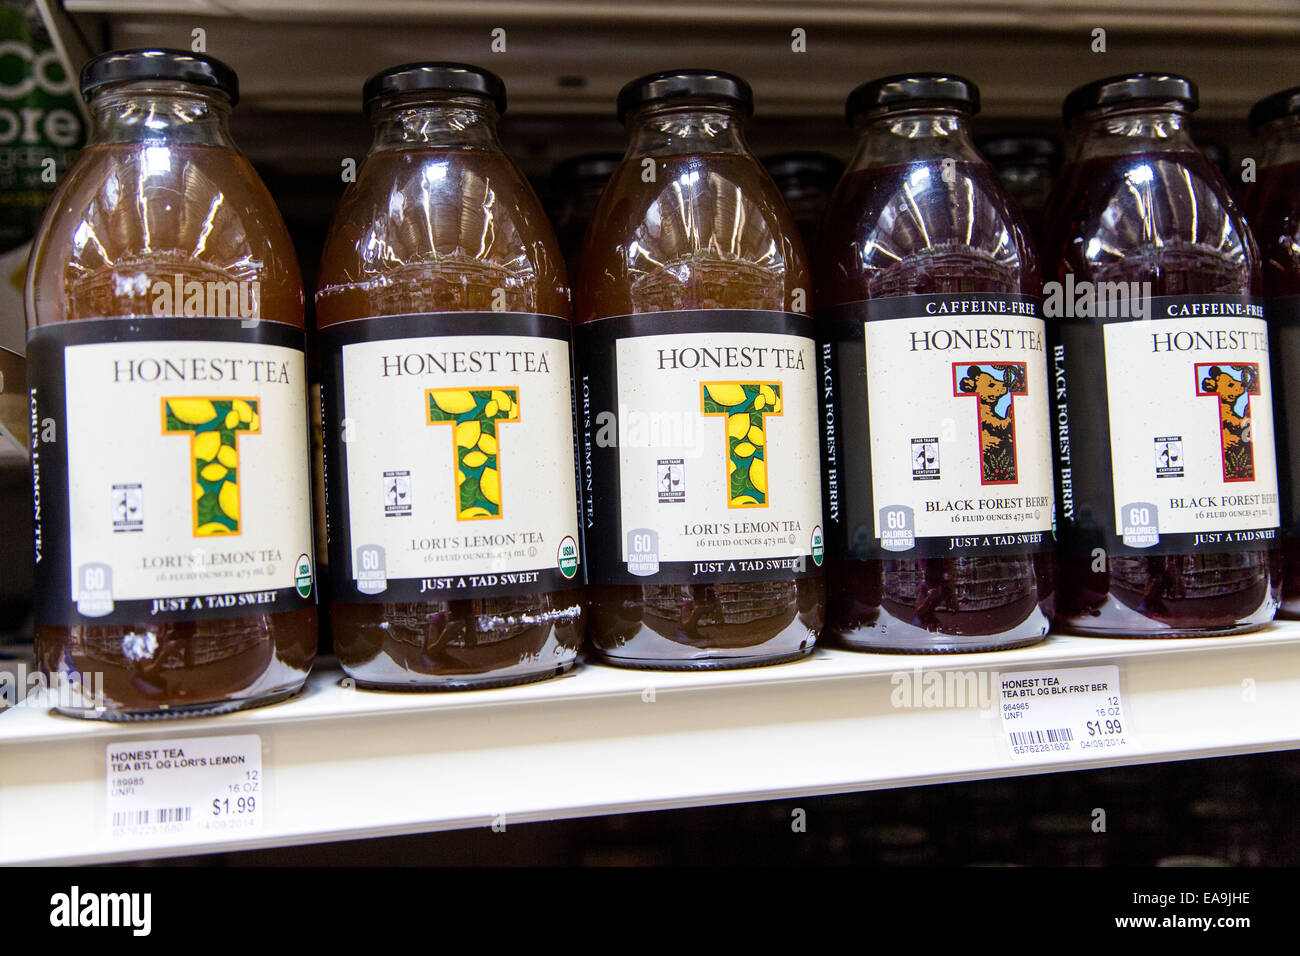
171	791
1065	713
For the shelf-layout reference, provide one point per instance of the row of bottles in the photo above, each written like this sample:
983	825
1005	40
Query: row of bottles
735	452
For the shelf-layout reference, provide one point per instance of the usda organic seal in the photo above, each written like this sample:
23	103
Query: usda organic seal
302	575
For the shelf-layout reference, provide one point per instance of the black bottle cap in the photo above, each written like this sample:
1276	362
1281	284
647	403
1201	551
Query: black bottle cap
587	167
1286	103
905	90
121	66
1129	88
1022	148
685	85
812	165
438	77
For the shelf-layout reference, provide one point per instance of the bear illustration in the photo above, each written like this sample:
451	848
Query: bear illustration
997	431
1238	457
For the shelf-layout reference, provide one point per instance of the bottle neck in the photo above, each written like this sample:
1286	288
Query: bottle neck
1281	141
901	137
1144	128
155	111
450	121
687	130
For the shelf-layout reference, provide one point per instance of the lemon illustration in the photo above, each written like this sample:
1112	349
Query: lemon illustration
255	423
243	410
503	401
756	435
228	498
725	394
745	500
226	455
760	403
776	405
192	411
769	396
744	450
488	444
198	492
467	434
212	472
737	425
476	512
232	418
213	527
490	410
758	474
460	477
490	484
731	466
454	401
474	459
207	445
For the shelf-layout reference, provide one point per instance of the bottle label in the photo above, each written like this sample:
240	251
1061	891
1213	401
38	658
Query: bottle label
1180	457
450	456
935	426
169	470
699	447
1284	327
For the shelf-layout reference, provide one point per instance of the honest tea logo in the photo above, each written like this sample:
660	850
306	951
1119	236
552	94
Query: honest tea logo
76	909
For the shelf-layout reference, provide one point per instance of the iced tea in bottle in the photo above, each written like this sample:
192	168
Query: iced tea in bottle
697	406
443	310
169	420
1272	206
939	490
1167	492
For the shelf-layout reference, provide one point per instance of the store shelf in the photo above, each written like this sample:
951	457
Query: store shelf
341	763
571	57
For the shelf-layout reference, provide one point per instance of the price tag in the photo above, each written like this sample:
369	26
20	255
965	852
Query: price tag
173	790
1064	713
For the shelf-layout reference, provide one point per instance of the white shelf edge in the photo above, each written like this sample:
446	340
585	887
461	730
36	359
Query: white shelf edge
345	764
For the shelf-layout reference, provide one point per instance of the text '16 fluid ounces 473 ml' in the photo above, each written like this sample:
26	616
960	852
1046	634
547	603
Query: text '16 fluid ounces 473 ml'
934	383
444	315
696	394
1163	418
169	421
1272	205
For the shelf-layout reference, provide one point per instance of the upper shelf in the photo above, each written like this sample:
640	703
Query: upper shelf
341	763
572	57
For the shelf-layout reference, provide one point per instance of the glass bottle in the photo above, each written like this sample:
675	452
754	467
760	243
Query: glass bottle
1272	206
443	308
1167	485
939	506
170	467
696	394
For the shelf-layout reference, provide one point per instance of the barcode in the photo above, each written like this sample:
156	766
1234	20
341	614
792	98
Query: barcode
144	818
1027	737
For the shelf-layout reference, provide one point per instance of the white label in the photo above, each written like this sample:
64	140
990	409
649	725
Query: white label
960	447
171	791
459	457
187	473
1191	427
718	447
1064	713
